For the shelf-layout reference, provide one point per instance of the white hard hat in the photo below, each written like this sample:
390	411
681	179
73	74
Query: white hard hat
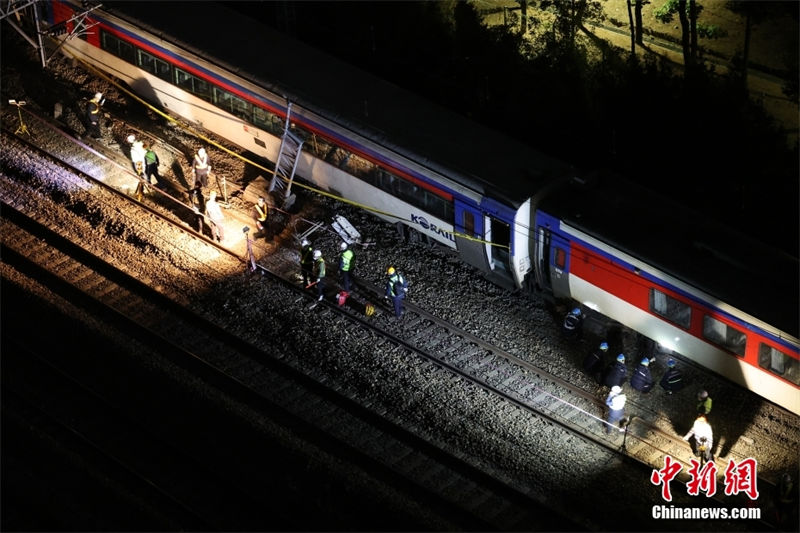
213	194
98	96
317	254
305	243
131	138
616	389
343	246
202	151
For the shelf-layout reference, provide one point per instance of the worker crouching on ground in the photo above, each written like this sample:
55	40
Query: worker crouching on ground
642	379
595	361
616	373
573	323
673	379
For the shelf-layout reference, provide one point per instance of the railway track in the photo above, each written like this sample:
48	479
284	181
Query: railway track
510	385
245	373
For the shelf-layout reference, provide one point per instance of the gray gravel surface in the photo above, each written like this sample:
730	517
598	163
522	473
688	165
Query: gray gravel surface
557	469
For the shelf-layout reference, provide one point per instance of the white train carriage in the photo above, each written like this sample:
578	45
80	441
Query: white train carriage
364	139
712	295
504	207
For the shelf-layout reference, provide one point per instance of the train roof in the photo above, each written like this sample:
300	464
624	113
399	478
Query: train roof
726	265
485	160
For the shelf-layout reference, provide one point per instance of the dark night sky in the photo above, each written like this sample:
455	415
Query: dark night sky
700	144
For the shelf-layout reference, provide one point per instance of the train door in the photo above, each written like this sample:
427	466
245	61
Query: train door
551	256
498	244
543	259
469	223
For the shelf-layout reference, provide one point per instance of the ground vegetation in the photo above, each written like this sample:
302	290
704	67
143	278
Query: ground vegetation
559	87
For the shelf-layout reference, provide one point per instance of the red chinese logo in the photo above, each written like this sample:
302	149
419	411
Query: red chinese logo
704	478
671	469
738	478
741	478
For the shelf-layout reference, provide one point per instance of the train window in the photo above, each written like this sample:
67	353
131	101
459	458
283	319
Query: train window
779	363
108	42
118	47
192	84
127	52
723	335
146	61
560	258
232	103
183	79
261	117
673	310
153	65
359	166
469	223
221	98
437	206
277	124
407	191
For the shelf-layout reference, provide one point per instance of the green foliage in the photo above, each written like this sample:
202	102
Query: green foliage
666	12
710	31
589	106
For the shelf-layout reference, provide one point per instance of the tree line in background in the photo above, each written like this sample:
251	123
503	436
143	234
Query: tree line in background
547	80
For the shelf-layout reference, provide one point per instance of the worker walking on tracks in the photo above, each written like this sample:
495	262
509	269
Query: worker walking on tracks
396	289
151	163
345	265
138	154
214	213
319	274
198	207
201	168
260	216
306	262
616	408
703	403
93	114
703	438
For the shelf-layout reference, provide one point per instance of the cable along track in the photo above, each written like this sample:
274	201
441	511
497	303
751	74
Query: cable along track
513	387
250	375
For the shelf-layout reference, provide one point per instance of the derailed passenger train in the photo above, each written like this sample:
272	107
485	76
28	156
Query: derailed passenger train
524	219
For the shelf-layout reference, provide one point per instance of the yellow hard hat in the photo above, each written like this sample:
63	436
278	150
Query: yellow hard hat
390	270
